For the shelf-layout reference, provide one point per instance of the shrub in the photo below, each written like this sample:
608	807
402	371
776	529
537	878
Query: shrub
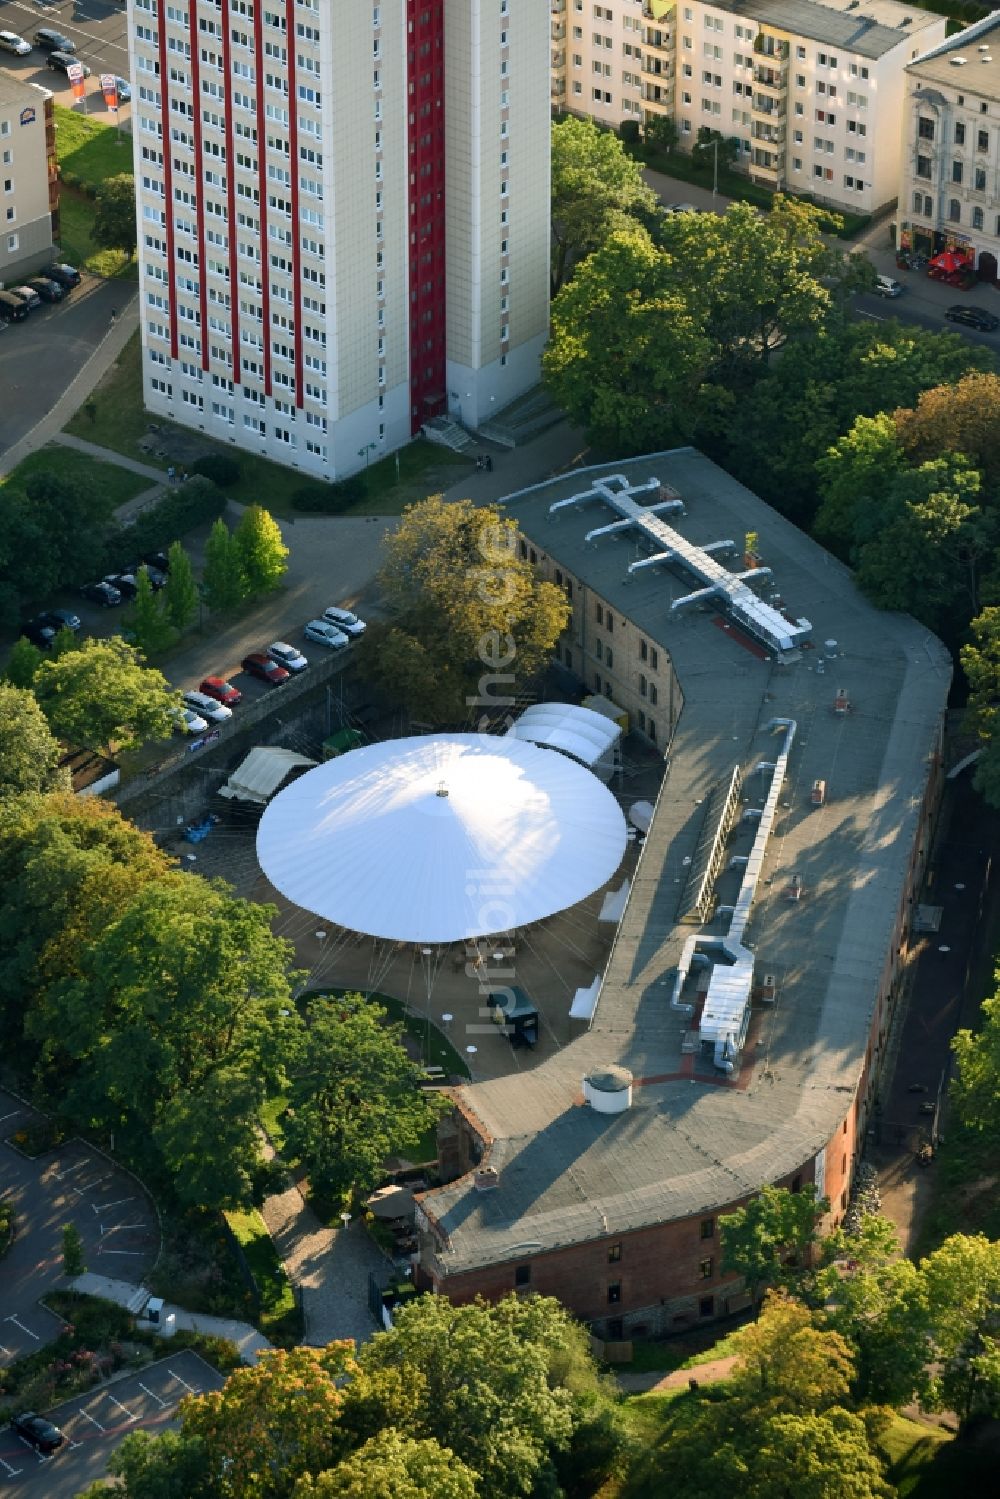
219	468
179	511
72	1250
331	499
628	131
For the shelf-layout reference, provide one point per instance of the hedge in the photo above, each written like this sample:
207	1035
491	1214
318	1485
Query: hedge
331	499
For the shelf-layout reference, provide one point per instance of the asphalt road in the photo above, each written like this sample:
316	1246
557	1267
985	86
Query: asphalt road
45	353
98	27
95	1423
911	308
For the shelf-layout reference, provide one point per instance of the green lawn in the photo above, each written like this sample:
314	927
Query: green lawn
76	216
120	420
116	485
928	1463
90	148
280	1317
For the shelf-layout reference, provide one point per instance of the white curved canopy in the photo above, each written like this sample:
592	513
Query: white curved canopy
440	838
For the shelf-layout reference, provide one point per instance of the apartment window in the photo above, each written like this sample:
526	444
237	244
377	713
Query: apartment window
599	614
924	167
522	1275
609	659
925	128
614	1293
614	1254
977	218
708	1228
956	171
959	134
652	694
654	657
705	1269
651	729
643	651
954	211
982	140
980	179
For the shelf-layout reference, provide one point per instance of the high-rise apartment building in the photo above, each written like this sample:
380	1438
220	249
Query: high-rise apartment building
342	215
811	92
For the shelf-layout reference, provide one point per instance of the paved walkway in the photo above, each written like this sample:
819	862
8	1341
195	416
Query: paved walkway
679	1379
104	355
108	455
330	1267
123	1293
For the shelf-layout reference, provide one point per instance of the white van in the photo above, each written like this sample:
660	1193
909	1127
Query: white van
885	286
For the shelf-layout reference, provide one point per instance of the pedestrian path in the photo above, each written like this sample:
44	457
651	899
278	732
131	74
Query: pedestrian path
108	455
248	1340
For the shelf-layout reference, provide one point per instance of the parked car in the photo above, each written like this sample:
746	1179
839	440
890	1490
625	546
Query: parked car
38	1432
207	707
124	582
66	275
51	40
681	208
11	42
61	619
157	578
62	61
264	669
888	286
287	656
49	291
322	632
28	296
12	309
124	90
345	620
187	721
221	690
973	317
159	560
38	633
102	593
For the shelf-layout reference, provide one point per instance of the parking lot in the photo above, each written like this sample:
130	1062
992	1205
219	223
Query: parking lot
72	1184
98	27
94	1424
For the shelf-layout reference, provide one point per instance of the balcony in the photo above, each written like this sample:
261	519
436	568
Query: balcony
766	45
769	135
557	89
558	33
558	61
763	106
775	80
659	40
658	100
655	67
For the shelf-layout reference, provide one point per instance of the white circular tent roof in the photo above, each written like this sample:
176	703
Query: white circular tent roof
440	838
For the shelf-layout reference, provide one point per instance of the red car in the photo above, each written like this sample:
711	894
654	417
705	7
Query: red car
261	666
221	690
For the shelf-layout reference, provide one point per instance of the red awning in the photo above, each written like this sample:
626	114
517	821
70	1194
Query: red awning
948	261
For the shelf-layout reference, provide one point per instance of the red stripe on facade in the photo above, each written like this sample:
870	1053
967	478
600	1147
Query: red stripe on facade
426	207
200	196
168	174
293	151
258	48
234	278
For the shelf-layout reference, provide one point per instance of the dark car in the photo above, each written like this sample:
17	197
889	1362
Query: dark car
221	690
66	275
124	582
157	578
60	619
159	560
973	317
38	633
27	295
51	40
102	593
49	291
38	1432
62	61
264	669
12	309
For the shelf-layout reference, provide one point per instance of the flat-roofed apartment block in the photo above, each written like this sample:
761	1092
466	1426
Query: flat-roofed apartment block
812	92
340	220
737	1034
29	201
949	192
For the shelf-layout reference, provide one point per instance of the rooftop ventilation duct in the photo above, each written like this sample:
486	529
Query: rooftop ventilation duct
608	1090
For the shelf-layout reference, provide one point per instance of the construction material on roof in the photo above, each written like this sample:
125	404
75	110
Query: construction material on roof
613	907
640	815
261	774
585	1001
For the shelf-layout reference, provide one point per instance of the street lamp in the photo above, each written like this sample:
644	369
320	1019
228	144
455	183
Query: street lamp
369	447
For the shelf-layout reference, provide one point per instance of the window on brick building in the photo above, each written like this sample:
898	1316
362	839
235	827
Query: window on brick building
708	1228
705	1269
614	1254
654	659
614	1293
522	1275
599	612
643	650
797	1184
706	1306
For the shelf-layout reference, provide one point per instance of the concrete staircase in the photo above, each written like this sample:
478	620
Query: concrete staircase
448	434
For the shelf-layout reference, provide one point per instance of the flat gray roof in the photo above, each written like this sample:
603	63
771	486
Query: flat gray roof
979	74
693	1140
869	29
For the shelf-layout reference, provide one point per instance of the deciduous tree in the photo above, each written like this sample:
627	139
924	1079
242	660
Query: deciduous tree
595	184
963	417
147	618
114	225
29	754
355	1098
393	1466
775	1226
104	695
169	1466
962	1280
180	596
981	664
23	662
262	553
786	1362
223	583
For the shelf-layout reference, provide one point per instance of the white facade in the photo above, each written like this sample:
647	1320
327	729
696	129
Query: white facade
284	210
813	92
27	173
949	189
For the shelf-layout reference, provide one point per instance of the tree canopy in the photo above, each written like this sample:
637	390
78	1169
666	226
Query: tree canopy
595	186
468	616
355	1097
103	695
775	1226
114	224
29	752
262	554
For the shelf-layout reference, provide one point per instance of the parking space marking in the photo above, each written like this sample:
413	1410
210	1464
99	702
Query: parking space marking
11	1472
23	1328
88	1417
105	1207
118	1228
145	1388
190	1388
13	1113
130	1414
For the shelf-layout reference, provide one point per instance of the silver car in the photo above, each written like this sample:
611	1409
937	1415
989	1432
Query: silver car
287	656
206	707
